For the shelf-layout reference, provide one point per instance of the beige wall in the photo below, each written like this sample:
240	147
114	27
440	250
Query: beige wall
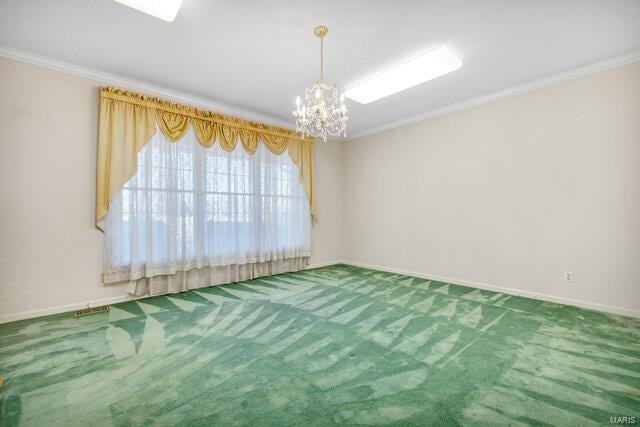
50	251
511	193
508	194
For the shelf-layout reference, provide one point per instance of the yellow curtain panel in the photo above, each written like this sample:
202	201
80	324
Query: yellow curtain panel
128	120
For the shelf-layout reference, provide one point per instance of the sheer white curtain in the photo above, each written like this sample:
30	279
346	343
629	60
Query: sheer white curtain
195	216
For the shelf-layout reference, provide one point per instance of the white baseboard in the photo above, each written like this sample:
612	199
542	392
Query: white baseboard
510	291
560	300
323	264
99	302
64	308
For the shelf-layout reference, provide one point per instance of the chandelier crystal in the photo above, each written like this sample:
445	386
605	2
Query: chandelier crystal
323	112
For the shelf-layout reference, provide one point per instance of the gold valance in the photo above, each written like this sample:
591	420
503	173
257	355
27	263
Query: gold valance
128	120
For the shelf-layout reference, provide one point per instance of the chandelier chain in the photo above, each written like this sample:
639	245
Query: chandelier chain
321	59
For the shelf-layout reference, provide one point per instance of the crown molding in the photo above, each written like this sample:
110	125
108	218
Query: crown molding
139	86
595	67
181	97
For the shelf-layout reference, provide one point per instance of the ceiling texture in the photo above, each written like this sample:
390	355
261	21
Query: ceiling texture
258	55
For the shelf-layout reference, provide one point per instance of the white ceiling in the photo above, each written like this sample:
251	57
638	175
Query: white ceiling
258	55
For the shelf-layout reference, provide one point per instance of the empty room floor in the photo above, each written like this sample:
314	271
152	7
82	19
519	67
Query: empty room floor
339	344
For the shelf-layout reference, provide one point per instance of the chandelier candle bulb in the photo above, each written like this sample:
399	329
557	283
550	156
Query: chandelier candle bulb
327	113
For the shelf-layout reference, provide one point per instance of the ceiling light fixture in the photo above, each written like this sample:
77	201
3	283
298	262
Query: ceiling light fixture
323	112
420	69
163	9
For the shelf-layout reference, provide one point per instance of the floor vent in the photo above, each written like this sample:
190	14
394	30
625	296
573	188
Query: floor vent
92	310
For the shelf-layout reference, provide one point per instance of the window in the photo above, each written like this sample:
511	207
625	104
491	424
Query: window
191	207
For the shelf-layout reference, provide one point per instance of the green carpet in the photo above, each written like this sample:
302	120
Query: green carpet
334	345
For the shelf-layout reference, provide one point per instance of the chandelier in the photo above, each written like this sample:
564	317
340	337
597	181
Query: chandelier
323	112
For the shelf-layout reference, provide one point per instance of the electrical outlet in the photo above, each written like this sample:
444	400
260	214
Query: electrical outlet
568	276
392	254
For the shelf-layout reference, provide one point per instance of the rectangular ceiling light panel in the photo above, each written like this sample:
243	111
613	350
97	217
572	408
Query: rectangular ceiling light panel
420	69
163	9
